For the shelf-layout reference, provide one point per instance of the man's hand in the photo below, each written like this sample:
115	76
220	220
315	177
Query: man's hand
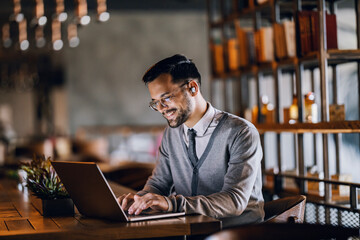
149	200
126	200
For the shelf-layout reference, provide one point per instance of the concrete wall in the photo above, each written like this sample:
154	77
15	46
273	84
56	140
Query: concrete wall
104	72
20	111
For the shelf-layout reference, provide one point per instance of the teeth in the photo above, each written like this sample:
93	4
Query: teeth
170	113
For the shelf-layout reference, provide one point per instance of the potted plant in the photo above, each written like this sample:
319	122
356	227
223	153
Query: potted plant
44	183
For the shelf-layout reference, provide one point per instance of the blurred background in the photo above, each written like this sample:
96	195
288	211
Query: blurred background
71	88
72	70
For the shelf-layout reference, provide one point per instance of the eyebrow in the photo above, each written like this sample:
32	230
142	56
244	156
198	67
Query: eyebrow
162	95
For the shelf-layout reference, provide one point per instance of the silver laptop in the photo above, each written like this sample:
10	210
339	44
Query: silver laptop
92	194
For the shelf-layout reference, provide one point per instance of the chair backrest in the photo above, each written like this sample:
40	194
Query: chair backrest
132	175
288	209
285	231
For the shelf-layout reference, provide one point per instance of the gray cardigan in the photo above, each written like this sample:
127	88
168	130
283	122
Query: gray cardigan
229	176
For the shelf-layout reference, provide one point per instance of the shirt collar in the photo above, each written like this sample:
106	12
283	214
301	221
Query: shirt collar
202	125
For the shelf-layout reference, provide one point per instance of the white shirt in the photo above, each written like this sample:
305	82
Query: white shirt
204	128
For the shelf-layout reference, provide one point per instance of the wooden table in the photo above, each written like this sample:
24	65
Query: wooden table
20	218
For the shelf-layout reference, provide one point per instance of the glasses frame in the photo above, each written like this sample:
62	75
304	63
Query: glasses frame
164	101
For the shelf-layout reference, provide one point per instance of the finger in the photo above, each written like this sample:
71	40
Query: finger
132	208
160	204
125	200
149	200
138	201
120	198
145	205
128	199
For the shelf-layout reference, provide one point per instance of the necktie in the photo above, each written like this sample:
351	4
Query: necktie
192	146
194	161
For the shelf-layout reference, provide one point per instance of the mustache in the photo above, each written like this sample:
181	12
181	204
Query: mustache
167	111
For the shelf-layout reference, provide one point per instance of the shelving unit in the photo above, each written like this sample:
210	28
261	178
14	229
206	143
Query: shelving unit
322	127
223	15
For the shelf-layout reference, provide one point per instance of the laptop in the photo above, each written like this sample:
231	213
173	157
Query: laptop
92	194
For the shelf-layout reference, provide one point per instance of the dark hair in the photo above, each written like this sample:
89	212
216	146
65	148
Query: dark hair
178	66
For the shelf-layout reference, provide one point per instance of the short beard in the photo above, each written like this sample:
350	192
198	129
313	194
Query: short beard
183	115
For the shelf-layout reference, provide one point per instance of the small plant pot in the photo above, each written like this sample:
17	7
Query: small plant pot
57	207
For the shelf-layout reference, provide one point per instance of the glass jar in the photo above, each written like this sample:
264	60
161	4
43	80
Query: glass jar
311	112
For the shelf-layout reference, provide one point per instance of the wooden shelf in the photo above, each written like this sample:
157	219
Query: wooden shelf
336	56
324	127
311	60
313	179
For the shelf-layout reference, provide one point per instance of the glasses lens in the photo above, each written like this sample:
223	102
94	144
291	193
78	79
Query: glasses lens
153	105
166	100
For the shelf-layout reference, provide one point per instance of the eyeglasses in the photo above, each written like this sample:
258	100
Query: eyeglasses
164	101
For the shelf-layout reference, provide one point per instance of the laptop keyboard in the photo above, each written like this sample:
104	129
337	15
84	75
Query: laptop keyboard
146	212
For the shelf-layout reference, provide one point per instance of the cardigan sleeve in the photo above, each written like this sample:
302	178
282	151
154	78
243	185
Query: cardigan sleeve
161	181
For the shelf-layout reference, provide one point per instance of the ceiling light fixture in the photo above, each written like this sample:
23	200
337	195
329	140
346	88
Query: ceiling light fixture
23	23
102	14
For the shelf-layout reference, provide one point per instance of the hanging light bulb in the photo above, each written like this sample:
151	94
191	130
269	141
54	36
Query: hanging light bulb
61	15
39	37
102	14
56	35
81	12
6	39
19	24
39	13
23	41
17	16
73	36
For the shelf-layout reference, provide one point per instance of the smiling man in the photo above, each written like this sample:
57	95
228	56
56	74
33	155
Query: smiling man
209	161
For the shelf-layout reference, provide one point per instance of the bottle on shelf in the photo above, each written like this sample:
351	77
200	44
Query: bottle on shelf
264	108
267	110
270	116
337	112
254	114
311	112
232	49
286	114
218	52
315	187
294	111
340	193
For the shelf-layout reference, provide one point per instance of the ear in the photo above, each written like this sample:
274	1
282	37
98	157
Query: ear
193	88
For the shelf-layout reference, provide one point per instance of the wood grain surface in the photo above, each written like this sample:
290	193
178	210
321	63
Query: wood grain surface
20	218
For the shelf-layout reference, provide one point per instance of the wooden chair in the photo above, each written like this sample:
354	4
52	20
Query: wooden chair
285	231
131	174
288	209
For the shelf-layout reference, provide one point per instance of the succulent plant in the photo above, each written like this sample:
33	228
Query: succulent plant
42	179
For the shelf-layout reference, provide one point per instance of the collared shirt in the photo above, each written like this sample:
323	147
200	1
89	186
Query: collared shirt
204	128
230	175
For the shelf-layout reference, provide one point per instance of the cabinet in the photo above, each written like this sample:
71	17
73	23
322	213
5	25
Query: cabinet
252	67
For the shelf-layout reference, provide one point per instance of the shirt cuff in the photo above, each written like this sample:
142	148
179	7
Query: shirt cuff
141	193
170	205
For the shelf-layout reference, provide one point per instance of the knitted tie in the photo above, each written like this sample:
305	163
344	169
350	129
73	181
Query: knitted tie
192	146
194	160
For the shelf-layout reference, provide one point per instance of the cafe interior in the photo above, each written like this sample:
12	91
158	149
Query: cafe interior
71	91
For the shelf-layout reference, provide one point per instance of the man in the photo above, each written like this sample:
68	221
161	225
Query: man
209	161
